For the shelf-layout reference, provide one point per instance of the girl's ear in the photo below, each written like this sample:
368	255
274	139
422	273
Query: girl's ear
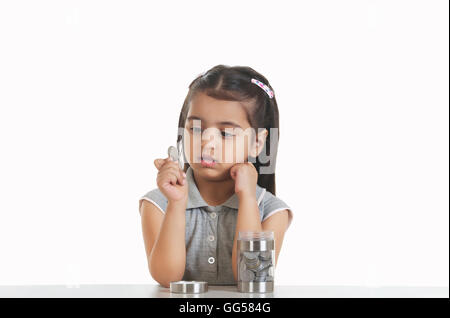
259	144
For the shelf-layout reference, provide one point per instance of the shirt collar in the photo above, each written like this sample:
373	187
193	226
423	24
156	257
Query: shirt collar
195	199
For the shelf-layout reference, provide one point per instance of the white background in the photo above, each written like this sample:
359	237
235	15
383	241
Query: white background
90	94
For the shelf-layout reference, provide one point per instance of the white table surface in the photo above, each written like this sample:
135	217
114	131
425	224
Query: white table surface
157	291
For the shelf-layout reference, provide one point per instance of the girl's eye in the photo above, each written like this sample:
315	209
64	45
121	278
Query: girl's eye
196	129
226	135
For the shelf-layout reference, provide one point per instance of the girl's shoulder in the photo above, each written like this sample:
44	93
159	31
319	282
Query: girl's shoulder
270	204
156	197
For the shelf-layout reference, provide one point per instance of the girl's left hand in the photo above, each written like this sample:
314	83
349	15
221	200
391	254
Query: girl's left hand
245	178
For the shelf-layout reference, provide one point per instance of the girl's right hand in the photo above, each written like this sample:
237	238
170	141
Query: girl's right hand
171	180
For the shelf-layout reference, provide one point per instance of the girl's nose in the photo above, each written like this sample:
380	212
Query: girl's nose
211	139
208	146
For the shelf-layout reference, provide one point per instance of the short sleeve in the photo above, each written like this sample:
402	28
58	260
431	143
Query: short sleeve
157	198
271	204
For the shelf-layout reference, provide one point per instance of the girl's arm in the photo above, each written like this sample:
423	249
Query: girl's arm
164	233
164	238
248	219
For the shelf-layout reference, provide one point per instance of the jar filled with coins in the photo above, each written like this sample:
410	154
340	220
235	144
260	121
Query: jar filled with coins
256	261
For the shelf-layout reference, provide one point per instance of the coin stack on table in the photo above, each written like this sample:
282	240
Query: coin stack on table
256	260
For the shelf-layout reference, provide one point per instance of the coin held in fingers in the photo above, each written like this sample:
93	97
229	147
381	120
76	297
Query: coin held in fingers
173	153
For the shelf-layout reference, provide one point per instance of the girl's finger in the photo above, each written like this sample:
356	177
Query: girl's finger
159	163
174	170
167	176
233	171
172	179
183	174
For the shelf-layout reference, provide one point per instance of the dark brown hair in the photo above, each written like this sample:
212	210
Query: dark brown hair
234	84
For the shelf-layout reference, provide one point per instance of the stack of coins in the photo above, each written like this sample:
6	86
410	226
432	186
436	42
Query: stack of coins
256	266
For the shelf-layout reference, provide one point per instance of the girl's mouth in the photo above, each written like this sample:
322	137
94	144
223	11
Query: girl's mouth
208	162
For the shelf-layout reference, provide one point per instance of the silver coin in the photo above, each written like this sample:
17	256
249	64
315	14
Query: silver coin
263	272
251	255
173	153
242	266
253	265
265	255
247	276
252	261
266	264
263	265
251	258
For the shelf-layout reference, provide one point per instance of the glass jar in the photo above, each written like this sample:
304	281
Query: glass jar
256	262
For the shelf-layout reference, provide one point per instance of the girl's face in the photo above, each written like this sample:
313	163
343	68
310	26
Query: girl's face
217	135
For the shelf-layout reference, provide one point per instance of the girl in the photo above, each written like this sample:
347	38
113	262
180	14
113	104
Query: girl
190	223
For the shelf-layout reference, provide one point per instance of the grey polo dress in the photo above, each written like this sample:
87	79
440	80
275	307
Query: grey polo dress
210	230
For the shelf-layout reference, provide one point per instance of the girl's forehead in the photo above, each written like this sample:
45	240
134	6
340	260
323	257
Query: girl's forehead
214	111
